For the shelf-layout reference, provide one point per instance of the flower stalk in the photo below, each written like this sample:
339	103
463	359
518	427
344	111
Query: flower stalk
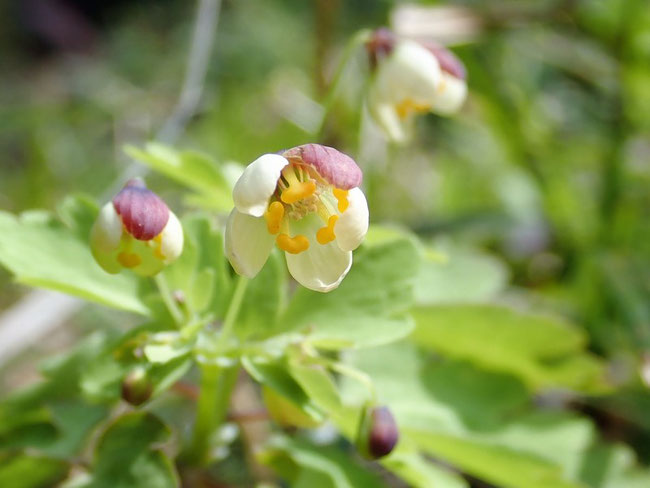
217	384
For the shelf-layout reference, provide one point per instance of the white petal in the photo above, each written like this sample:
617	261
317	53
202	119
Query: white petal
247	242
450	95
352	225
411	72
107	230
321	267
257	183
385	115
171	243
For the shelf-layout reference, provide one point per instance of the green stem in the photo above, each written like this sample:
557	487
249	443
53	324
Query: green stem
217	383
231	315
168	299
359	38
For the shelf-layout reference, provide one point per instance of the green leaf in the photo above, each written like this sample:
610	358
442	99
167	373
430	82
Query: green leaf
40	251
265	297
508	468
542	351
463	276
192	169
31	471
31	417
451	396
128	454
476	420
30	427
369	306
307	466
201	272
420	473
275	375
74	419
613	466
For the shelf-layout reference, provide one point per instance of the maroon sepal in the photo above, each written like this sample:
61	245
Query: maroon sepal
335	167
380	45
144	215
383	40
447	60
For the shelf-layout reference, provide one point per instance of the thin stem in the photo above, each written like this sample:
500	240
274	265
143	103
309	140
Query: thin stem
217	384
231	314
168	298
361	37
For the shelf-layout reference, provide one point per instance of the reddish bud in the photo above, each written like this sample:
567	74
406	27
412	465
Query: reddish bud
143	214
378	432
136	387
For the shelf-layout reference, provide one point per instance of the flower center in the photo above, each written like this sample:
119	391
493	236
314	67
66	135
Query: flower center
297	195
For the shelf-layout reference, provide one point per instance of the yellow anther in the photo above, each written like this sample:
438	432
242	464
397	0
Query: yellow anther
342	197
298	191
326	234
293	245
274	216
408	106
128	259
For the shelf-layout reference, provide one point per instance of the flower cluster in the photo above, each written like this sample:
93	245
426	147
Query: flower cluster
412	77
307	201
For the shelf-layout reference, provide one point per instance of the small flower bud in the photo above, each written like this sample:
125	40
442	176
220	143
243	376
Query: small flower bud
136	231
378	433
136	387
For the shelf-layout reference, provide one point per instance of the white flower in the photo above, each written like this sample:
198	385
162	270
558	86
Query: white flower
136	231
412	78
306	201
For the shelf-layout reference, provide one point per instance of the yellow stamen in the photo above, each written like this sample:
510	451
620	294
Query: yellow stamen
342	197
293	245
326	234
128	260
408	106
274	216
298	191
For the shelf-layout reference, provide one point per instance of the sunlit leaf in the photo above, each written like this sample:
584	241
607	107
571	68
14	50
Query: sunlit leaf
542	351
40	251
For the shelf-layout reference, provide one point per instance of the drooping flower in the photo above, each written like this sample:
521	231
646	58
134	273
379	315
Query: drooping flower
412	77
136	231
307	201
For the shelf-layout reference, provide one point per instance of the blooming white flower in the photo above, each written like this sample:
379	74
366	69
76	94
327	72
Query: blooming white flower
136	231
412	77
306	201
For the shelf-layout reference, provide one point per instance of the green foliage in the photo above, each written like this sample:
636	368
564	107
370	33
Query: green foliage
192	169
29	471
129	454
304	465
40	250
542	351
368	308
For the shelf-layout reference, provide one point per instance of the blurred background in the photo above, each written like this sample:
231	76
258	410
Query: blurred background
544	176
